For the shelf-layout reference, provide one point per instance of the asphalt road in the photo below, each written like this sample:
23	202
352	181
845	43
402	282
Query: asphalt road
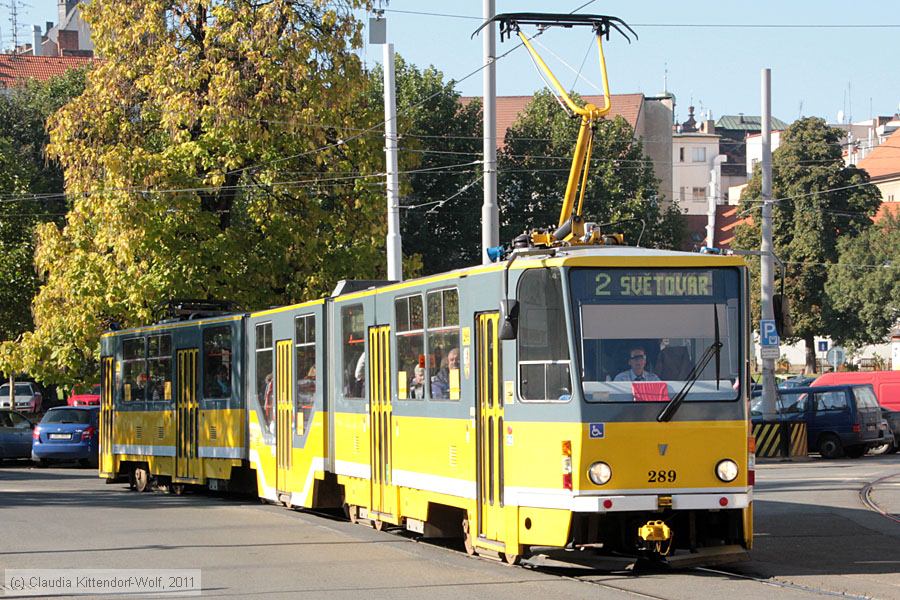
815	537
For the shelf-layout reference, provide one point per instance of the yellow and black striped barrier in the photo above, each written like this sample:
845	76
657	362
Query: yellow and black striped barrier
780	439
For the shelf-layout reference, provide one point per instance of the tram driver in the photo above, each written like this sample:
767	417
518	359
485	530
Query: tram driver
637	363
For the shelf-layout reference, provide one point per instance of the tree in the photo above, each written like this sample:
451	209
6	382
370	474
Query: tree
866	283
31	190
534	167
440	218
818	202
212	155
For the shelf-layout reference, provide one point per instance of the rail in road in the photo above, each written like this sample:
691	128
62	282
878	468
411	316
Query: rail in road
819	534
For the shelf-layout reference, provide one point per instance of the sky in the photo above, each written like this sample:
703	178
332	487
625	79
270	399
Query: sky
826	56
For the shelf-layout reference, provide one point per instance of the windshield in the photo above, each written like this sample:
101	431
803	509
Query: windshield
22	389
641	332
68	415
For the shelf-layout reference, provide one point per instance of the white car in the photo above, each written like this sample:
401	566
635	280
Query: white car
27	397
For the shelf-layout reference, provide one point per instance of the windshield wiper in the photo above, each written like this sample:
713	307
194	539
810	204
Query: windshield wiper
713	349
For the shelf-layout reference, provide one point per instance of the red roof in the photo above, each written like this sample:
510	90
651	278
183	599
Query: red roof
627	106
884	160
16	69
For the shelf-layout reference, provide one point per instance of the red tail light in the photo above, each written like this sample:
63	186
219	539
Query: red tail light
856	428
567	465
88	433
751	477
36	433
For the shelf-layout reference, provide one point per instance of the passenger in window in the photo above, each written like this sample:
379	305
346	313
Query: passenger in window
269	402
417	387
359	377
440	383
637	371
222	383
308	384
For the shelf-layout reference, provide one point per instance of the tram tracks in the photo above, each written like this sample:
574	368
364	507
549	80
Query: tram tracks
865	496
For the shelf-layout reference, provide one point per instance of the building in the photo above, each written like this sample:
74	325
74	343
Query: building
733	130
883	166
17	69
649	116
71	36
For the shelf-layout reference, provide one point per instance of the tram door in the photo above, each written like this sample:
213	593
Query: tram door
187	427
489	429
384	494
283	412
107	378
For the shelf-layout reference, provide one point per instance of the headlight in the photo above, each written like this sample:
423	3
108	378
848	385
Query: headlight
727	470
600	473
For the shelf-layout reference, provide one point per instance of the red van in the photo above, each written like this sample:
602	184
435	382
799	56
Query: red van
885	383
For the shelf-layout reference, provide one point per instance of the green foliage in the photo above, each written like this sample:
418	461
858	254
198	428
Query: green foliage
534	167
866	281
818	202
436	133
31	191
212	155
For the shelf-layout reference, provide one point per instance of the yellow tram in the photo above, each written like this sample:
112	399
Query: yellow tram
576	393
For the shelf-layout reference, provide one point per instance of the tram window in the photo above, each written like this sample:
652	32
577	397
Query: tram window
217	362
543	344
442	363
305	337
159	367
134	369
353	351
410	347
265	385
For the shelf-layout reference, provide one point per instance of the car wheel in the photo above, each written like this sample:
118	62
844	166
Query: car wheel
39	462
141	479
855	451
830	446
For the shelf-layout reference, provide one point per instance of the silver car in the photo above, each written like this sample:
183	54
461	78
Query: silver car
27	397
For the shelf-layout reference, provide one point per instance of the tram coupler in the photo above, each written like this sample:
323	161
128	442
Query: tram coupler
655	531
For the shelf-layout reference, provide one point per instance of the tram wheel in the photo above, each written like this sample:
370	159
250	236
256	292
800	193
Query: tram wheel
141	479
467	538
511	559
378	524
177	488
352	513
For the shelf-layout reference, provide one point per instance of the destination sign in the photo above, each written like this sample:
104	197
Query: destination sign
657	284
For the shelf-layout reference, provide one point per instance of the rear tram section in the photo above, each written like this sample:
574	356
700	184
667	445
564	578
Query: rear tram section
422	405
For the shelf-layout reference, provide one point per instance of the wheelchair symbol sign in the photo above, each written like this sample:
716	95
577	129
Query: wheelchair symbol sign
596	430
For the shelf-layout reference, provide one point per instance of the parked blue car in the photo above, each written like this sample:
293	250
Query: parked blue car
15	435
840	419
67	433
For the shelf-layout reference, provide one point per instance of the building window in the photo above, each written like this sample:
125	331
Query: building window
683	194
159	365
217	362
443	344
305	336
698	155
681	154
411	378
699	194
265	386
353	351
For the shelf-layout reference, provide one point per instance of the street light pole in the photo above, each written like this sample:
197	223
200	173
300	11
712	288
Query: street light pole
767	271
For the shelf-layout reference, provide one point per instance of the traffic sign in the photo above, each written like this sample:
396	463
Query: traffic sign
596	430
823	346
766	352
768	333
836	356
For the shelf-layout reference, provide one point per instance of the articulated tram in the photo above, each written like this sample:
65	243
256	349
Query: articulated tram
575	393
402	402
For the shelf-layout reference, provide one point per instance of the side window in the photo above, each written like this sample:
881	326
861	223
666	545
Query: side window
18	421
353	351
408	312
265	386
543	345
831	401
442	366
134	369
792	403
217	362
865	397
159	367
305	337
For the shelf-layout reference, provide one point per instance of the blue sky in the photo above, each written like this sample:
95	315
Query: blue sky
716	65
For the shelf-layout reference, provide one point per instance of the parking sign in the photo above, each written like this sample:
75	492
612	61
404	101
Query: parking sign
768	334
823	346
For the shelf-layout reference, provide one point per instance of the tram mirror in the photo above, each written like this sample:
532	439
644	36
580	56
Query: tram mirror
781	308
509	319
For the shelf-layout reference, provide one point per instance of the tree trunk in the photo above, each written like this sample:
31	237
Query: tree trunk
811	364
